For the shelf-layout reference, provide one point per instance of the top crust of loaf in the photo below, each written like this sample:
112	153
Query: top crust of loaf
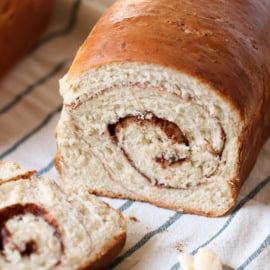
216	42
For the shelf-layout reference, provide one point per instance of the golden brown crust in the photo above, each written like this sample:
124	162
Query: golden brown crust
21	23
203	40
161	204
57	163
109	252
25	175
224	44
57	157
104	258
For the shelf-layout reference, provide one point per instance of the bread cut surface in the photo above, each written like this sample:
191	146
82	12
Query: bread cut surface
168	102
42	227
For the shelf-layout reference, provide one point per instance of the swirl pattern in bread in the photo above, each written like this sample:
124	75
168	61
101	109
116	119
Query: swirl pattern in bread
168	102
42	227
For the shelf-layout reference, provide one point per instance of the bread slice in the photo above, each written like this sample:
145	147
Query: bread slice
42	227
168	102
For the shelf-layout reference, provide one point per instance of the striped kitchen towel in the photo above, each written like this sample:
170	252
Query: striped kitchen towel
29	110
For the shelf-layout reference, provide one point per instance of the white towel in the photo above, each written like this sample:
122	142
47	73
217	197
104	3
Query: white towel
29	110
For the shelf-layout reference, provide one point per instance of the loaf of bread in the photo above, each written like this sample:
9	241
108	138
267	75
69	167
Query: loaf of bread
42	227
21	24
168	102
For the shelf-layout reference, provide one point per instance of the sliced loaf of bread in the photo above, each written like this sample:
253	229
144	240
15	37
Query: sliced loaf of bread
168	102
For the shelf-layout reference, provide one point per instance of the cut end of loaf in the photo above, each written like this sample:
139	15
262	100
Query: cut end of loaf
152	134
45	227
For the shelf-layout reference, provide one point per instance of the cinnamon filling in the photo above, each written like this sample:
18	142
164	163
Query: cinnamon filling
147	140
171	130
30	248
4	237
18	210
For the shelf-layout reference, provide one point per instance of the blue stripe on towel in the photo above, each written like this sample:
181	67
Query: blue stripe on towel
145	239
46	168
31	133
125	206
31	87
68	28
249	197
256	253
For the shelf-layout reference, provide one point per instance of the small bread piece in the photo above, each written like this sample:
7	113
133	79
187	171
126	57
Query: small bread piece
168	102
42	227
11	171
21	24
186	261
205	259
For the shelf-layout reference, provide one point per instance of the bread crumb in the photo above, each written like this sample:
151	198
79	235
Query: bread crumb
179	247
205	259
134	219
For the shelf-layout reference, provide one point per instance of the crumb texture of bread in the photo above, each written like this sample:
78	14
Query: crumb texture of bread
11	171
43	227
205	259
168	102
